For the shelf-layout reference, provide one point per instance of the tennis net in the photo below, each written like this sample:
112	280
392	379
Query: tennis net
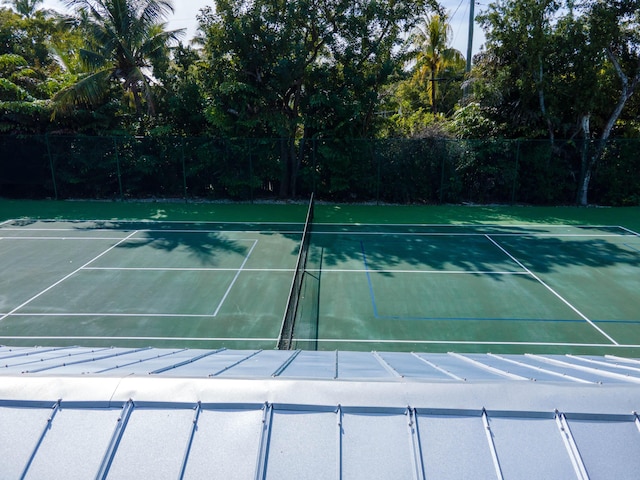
288	321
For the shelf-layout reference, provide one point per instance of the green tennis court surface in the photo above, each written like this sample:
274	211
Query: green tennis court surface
499	288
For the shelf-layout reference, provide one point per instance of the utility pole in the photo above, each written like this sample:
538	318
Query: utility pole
472	5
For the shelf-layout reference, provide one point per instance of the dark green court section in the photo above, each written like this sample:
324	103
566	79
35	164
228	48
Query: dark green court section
141	283
446	288
325	213
441	278
601	275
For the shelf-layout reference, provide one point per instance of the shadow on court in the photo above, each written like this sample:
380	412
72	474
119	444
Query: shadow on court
206	247
475	250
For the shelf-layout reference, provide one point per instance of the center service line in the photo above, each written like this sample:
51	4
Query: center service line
69	275
552	290
255	242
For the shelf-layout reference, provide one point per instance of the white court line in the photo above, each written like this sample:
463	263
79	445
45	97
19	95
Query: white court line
95	314
185	339
28	229
146	220
630	231
323	340
472	225
67	276
552	290
474	342
255	242
190	269
147	230
435	272
63	238
471	234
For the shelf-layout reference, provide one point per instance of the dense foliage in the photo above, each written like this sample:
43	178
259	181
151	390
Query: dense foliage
309	80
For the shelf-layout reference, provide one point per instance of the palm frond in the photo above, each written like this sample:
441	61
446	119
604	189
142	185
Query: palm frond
92	60
155	11
90	90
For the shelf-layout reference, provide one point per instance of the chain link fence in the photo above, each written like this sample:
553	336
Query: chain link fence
429	171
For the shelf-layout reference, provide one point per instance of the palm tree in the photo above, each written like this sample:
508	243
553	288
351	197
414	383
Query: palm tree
433	54
26	8
125	39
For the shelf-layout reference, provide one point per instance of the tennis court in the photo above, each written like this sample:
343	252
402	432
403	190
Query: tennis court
145	283
499	288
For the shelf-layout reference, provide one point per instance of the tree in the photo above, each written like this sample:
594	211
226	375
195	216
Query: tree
29	72
301	69
553	69
513	75
434	56
614	27
125	39
26	8
181	101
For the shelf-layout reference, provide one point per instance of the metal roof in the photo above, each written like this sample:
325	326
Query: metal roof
77	413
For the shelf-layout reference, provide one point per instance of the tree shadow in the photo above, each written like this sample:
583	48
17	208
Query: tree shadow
475	250
206	247
205	242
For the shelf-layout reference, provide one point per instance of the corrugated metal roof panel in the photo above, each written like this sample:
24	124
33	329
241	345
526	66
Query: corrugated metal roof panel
163	361
575	368
530	448
351	365
305	442
79	433
458	368
225	360
43	359
225	444
376	445
311	364
520	365
8	352
412	366
286	415
454	446
601	364
263	364
609	448
135	361
153	444
21	429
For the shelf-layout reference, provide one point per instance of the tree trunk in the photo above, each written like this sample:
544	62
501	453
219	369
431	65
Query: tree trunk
628	87
585	161
584	188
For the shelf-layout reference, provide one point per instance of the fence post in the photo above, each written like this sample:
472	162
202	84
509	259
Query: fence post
115	146
374	151
184	170
53	172
515	173
314	145
444	157
251	170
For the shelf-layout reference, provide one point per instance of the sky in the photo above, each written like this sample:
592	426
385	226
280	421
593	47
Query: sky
185	13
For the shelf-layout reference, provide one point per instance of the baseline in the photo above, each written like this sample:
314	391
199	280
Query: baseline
474	342
321	340
177	339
